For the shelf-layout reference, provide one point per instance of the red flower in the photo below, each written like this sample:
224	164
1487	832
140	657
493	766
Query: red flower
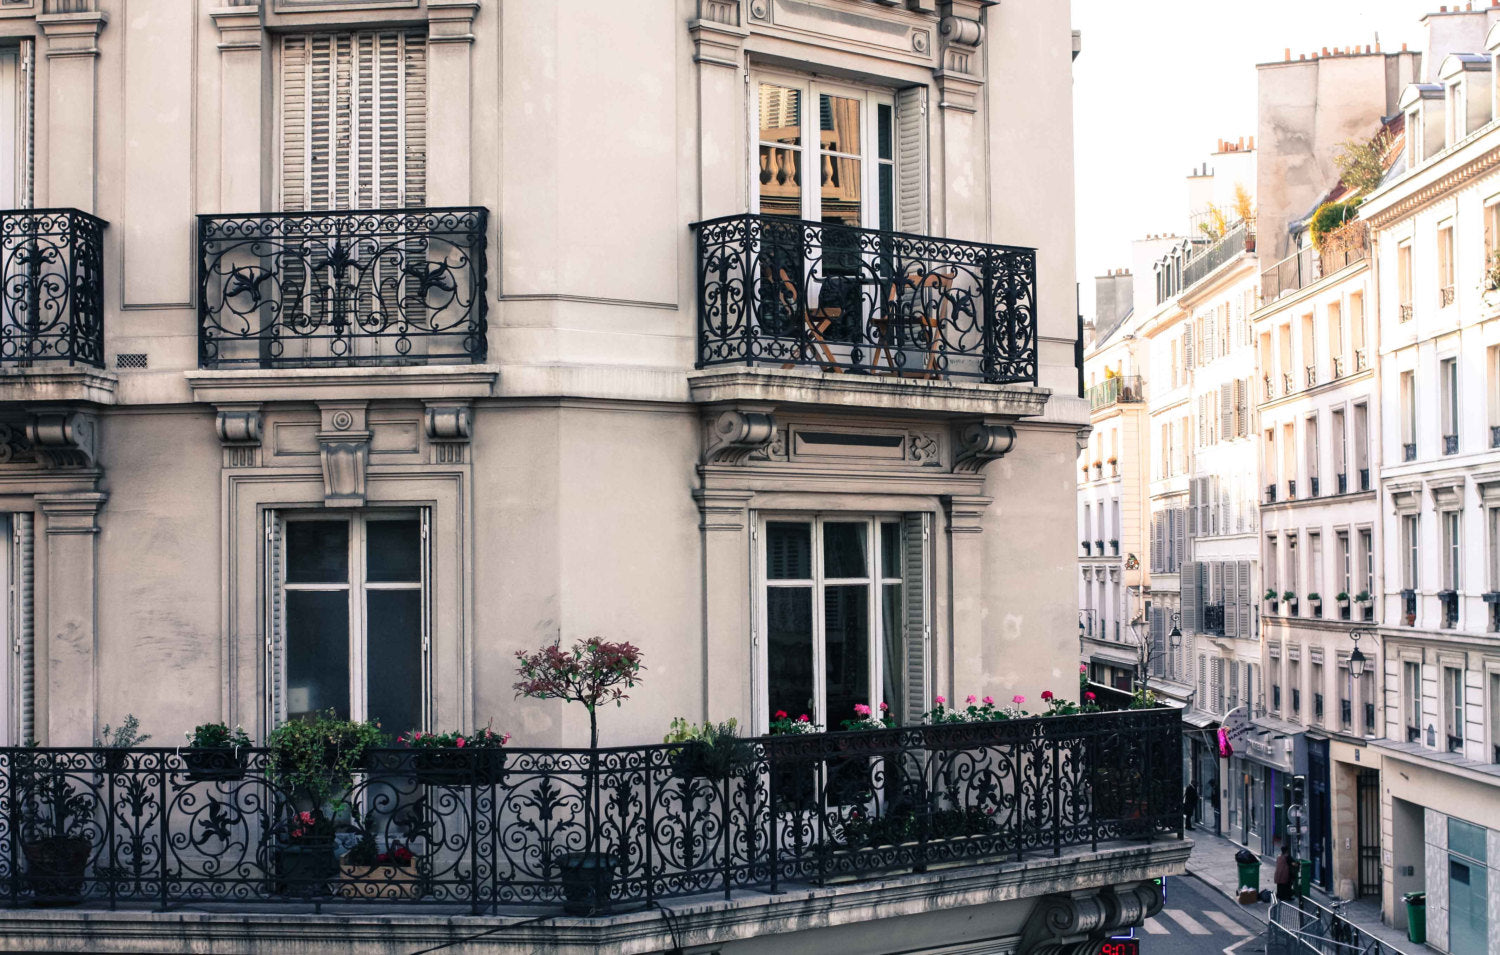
1046	694
1089	695
802	718
402	855
781	714
383	859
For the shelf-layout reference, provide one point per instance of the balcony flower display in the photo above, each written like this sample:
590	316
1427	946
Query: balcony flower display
315	758
457	758
784	725
368	873
595	673
868	719
1342	598
713	751
214	751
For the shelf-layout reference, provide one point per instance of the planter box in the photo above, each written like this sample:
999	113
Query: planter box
220	762
304	869
55	868
587	878
391	882
455	767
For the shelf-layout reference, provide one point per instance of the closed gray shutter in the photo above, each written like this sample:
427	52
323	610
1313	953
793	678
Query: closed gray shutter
1156	543
23	579
1181	540
916	584
911	159
1216	684
1242	403
1192	618
1234	684
1242	602
1193	506
275	639
353	120
1230	598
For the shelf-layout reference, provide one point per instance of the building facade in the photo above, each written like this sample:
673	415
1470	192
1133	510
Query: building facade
355	346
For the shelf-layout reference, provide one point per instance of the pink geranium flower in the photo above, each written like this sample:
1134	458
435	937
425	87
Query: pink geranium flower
972	699
939	700
989	701
861	710
802	718
1046	694
884	707
1018	699
1083	668
459	742
1089	695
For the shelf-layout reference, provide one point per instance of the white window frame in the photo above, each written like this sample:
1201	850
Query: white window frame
1452	549
1453	705
875	581
357	587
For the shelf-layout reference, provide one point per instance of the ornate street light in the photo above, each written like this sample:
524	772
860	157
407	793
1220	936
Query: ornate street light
1357	659
1176	635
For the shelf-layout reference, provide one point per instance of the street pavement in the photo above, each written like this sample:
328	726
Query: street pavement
1198	920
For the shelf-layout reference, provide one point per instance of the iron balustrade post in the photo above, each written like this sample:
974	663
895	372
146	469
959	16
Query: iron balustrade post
13	819
765	761
1057	796
752	305
726	824
474	901
162	758
109	828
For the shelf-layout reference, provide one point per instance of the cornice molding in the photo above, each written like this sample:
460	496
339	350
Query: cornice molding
1436	189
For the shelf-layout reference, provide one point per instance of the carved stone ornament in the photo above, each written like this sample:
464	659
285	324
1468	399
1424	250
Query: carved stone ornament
448	422
238	426
730	436
344	449
923	448
14	448
774	450
958	72
1075	924
63	438
981	442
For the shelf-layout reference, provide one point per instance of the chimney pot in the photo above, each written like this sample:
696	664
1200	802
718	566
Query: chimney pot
1403	48
1325	51
1286	53
1301	57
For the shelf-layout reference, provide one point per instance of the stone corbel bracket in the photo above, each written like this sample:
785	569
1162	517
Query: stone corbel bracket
344	448
449	426
451	21
64	437
980	442
719	33
240	433
1075	924
959	75
731	435
239	26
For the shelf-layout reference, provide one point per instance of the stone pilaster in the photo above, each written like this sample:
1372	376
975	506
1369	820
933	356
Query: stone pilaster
243	61
70	42
966	581
70	622
718	34
450	38
727	648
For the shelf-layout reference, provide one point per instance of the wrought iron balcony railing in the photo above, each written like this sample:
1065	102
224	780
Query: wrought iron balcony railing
788	292
1123	389
306	289
51	287
484	829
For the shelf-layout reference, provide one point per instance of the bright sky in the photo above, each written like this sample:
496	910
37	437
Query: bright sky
1159	82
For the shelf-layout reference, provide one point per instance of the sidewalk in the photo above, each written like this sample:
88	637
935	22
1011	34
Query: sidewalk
1212	862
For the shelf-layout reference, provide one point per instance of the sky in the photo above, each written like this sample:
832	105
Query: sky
1159	82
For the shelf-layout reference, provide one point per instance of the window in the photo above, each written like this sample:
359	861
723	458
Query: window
16	72
1357	329
1316	675
353	120
350	628
1310	431
1452	555
1403	275
1491	234
1445	263
844	615
1454	112
16	633
848	135
1309	352
1408	416
1362	446
1367	561
1492	370
1345	571
1315	569
1412	687
1469	901
1448	383
1346	694
1336	338
1410	541
1494	711
1294	683
1339	445
1453	708
1368	698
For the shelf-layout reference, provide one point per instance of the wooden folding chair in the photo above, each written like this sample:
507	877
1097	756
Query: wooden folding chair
910	289
816	320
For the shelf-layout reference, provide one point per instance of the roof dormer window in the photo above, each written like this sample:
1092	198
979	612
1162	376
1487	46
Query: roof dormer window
1456	111
1413	138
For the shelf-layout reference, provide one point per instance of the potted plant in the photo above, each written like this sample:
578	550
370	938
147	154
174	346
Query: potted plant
712	751
1114	465
367	873
56	829
1342	598
457	759
1316	600
1271	598
119	741
1290	599
304	858
594	673
315	759
214	751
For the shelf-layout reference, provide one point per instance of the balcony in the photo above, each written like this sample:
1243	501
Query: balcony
1122	389
1445	296
1455	743
1409	451
1271	493
1404	312
1338	367
1448	601
1213	619
1340	248
1450	444
1241	238
1311	375
1291	490
320	289
51	288
489	830
788	293
1343	482
1364	479
1312	486
1361	361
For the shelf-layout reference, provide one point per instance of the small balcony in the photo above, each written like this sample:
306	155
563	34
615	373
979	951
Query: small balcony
51	288
1291	490
1120	390
1409	451
1213	619
1364	479
1361	360
491	830
1312	487
1404	312
1343	482
1369	718
1271	493
320	289
1450	444
786	293
1311	374
1455	743
1413	734
1448	601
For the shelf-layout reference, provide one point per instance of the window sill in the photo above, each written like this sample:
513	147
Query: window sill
332	384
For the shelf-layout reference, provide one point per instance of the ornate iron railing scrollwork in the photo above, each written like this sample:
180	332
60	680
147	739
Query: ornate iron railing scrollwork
51	287
307	289
789	292
482	829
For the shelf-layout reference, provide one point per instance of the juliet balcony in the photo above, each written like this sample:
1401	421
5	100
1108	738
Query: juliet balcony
588	831
787	293
1123	389
51	289
321	289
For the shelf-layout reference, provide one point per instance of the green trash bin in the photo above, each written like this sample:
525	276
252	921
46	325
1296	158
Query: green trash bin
1416	917
1304	877
1250	876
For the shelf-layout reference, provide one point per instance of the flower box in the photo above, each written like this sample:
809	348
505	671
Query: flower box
55	868
389	882
211	763
303	869
458	767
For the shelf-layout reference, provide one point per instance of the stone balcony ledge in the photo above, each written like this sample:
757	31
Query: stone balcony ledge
413	382
777	387
57	384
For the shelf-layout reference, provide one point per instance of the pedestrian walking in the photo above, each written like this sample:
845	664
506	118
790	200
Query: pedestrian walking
1286	874
1190	804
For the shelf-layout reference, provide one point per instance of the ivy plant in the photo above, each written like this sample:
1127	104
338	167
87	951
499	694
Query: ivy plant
316	758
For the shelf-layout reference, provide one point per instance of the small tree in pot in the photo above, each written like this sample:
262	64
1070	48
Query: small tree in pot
592	672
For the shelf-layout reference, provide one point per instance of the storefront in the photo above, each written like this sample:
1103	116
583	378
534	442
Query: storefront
1276	754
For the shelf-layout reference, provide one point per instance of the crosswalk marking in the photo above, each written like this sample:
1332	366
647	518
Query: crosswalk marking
1153	927
1193	926
1226	923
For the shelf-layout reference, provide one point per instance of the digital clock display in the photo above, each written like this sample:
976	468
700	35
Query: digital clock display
1120	946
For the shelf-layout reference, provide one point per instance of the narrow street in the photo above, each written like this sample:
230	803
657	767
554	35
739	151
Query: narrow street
1197	920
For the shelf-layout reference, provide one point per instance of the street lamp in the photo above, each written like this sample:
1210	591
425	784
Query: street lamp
1357	659
1176	635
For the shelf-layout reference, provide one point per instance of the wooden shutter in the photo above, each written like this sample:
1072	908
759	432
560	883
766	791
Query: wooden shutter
1157	539
1192	603
275	638
1181	541
911	159
353	120
1229	598
1226	411
1187	346
22	582
916	587
1242	603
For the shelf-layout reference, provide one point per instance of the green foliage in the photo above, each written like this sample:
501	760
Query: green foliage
1330	216
1270	594
316	758
1342	597
486	738
712	750
1362	164
1363	596
1288	595
128	734
1143	699
217	736
865	831
1315	597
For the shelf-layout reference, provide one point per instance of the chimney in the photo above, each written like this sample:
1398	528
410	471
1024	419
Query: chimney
1403	48
1286	54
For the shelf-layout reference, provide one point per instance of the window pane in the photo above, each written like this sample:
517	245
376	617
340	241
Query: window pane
890	549
894	651
887	197
841	191
394	658
780	168
788	550
1467	839
844	549
789	650
317	552
393	551
846	634
838	132
883	131
317	652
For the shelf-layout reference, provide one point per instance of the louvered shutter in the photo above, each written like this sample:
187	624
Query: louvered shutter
1234	684
1215	526
1187	346
911	159
23	578
1229	598
915	585
1242	603
1216	684
1203	681
1193	506
1202	424
1181	540
1211	335
1227	429
275	637
353	120
1192	604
